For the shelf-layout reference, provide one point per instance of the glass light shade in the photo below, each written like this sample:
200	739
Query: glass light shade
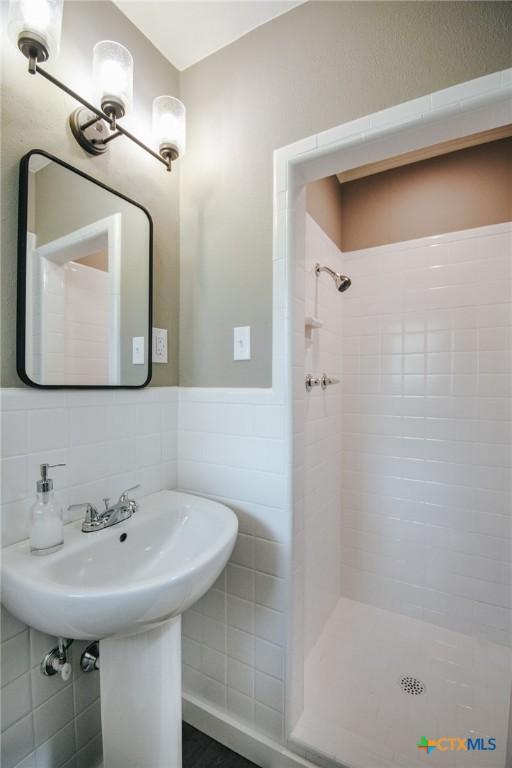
169	124
112	73
38	22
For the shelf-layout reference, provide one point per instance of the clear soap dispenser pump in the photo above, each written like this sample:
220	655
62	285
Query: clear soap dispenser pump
46	520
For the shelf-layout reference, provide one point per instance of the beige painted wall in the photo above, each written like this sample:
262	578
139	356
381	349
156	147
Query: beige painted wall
323	203
34	115
313	68
461	190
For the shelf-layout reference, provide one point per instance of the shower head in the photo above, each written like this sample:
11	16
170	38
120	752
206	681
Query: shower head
342	282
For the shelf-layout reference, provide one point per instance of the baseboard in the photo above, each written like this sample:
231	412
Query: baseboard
239	737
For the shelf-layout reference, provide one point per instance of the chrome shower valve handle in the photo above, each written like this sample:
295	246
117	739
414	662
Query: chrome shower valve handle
327	381
312	381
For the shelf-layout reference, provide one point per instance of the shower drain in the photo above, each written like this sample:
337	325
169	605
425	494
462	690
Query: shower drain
412	685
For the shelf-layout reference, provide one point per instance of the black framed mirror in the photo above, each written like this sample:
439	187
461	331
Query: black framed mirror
85	268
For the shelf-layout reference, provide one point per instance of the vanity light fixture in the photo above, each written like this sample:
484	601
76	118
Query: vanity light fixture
169	126
35	27
112	74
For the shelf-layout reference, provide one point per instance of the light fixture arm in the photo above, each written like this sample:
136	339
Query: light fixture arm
34	68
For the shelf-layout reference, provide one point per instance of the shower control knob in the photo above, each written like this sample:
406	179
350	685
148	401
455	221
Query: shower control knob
326	381
312	381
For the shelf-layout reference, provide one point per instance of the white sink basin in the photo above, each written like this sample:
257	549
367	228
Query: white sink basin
98	586
129	594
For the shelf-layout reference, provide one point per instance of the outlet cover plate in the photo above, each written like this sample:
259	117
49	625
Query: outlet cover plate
159	345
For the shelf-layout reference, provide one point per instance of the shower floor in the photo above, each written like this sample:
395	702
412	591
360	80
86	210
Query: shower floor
356	713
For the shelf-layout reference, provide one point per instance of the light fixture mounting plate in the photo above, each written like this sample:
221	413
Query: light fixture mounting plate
93	134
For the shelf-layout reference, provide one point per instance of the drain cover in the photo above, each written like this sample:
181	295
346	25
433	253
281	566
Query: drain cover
412	685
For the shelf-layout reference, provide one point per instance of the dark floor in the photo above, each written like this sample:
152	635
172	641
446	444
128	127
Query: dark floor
199	751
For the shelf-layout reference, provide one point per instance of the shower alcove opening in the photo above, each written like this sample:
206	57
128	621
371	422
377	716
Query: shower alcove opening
400	594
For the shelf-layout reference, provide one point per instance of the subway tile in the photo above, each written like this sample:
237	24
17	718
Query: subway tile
148	450
14	433
214	691
53	715
192	623
269	625
10	625
43	688
213	604
88	724
269	658
14	480
29	762
86	689
240	706
240	581
16	701
270	557
243	553
91	754
15	657
148	417
240	614
240	677
240	645
17	742
48	429
270	591
269	691
269	721
58	749
191	653
214	633
88	424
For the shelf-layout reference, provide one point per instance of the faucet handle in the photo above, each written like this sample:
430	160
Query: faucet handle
91	513
83	505
124	494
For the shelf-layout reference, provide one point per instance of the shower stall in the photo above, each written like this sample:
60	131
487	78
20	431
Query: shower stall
402	513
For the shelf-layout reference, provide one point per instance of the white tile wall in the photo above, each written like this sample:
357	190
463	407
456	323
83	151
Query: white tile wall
319	447
109	440
86	332
234	637
426	512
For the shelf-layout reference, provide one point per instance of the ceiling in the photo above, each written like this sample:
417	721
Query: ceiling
186	32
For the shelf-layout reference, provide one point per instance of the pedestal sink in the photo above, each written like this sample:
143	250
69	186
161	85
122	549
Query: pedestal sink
127	586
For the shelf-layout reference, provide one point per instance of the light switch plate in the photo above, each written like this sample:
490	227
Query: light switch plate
138	350
242	343
159	345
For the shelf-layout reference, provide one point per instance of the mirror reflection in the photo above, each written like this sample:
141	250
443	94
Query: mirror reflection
87	285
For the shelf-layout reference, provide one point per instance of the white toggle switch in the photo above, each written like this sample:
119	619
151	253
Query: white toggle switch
242	343
159	345
138	350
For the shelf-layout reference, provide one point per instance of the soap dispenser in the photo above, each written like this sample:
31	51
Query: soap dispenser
46	520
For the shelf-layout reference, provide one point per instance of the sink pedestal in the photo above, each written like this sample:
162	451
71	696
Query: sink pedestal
140	683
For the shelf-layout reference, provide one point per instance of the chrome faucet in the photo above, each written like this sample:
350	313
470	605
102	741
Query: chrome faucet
121	510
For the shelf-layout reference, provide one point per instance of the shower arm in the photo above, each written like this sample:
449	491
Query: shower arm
329	271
